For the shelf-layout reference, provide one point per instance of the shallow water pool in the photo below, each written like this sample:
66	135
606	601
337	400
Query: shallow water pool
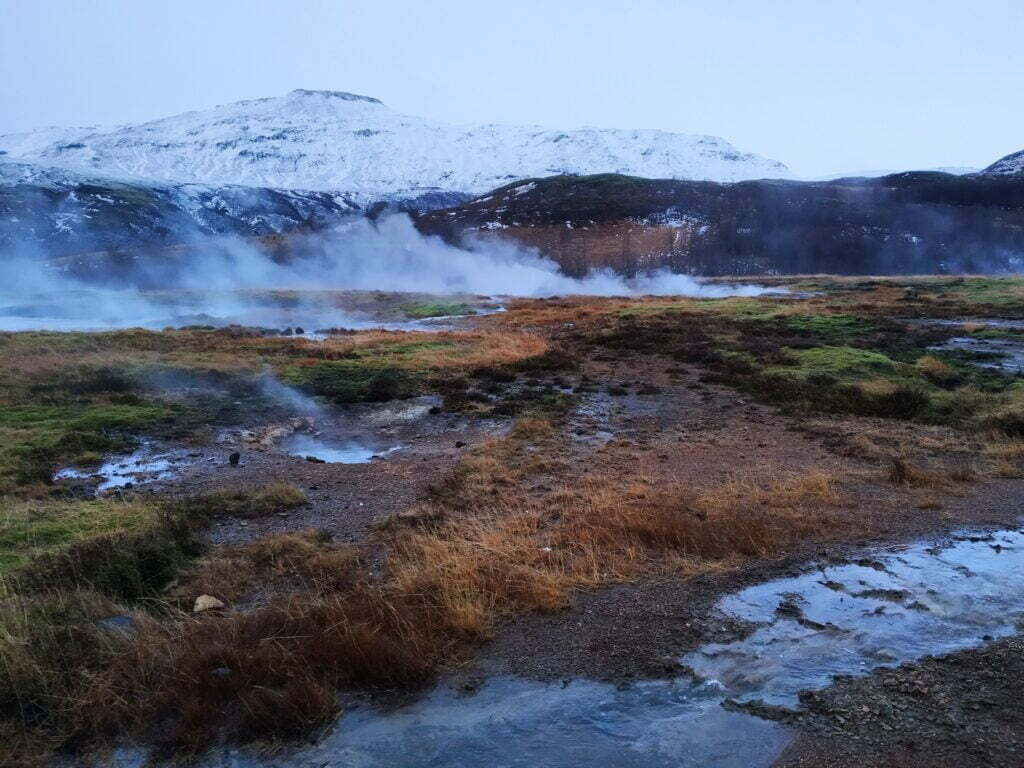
335	452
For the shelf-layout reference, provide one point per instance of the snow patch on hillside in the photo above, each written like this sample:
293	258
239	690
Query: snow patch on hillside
1010	165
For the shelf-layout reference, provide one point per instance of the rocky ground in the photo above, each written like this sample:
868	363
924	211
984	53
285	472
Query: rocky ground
643	414
956	710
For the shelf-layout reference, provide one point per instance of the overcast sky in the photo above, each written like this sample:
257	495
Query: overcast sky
822	85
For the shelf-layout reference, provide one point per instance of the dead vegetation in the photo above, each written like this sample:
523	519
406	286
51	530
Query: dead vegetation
314	619
515	527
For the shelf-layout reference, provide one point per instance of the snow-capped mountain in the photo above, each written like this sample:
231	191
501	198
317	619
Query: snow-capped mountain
333	141
1012	164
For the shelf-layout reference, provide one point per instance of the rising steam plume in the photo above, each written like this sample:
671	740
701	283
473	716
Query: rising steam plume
222	280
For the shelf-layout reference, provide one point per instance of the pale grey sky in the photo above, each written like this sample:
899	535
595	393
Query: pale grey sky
822	85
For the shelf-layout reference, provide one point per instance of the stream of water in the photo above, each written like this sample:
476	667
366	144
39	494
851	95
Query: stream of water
897	605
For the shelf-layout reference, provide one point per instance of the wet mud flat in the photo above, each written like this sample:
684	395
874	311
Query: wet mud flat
356	464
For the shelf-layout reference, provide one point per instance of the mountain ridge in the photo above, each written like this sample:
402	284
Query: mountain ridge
57	212
1010	165
343	142
906	223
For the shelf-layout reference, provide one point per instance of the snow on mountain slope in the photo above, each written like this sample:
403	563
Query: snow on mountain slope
1012	164
15	145
327	140
53	211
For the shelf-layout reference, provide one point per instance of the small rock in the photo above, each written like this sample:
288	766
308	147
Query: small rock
207	603
234	458
459	444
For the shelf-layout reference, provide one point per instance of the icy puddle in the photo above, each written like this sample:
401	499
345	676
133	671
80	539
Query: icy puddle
848	619
898	605
334	452
122	471
1006	355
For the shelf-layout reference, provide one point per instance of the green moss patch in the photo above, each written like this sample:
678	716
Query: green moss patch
829	327
418	310
848	363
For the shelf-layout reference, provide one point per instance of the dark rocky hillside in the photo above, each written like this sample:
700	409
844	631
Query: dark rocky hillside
53	213
907	223
1009	165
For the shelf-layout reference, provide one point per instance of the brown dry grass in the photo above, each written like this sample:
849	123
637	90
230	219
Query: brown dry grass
935	370
252	501
1005	456
279	562
484	547
904	472
265	674
34	357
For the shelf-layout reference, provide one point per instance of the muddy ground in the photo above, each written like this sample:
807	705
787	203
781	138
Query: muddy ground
962	709
646	413
639	411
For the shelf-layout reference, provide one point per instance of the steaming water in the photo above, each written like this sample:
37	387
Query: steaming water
92	309
341	452
388	255
900	605
119	471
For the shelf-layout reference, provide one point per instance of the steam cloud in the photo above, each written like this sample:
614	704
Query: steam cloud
222	283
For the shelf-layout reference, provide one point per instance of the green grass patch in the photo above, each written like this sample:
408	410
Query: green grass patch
353	382
742	308
830	328
1004	293
1014	334
91	418
843	363
418	310
33	438
648	307
31	529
